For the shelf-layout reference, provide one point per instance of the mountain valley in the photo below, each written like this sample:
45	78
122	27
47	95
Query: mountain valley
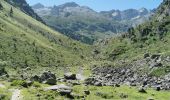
72	52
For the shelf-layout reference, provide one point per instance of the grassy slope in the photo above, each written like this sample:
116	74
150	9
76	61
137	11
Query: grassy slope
151	37
26	42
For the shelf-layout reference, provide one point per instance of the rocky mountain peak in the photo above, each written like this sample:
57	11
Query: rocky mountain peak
38	6
69	4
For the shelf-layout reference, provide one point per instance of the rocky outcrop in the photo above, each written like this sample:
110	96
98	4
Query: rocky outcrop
70	76
46	78
132	74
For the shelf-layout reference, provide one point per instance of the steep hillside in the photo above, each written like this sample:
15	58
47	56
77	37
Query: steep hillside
22	5
25	42
79	22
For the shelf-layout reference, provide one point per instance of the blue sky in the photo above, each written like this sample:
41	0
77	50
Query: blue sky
104	5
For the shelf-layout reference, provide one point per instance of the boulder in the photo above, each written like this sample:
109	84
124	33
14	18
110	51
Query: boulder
155	64
117	85
62	89
158	88
29	83
142	90
146	55
50	81
48	78
79	77
155	56
70	76
73	82
35	78
89	81
97	84
61	80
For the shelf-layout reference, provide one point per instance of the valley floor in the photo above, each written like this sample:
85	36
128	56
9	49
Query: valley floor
37	92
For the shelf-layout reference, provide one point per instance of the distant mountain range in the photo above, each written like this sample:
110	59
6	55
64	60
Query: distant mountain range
84	24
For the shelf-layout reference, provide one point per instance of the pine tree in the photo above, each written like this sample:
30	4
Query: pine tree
11	12
1	7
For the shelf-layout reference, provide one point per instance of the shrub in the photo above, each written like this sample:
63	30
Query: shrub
105	95
36	84
19	83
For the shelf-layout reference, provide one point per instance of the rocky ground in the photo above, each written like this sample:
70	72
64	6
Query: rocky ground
133	74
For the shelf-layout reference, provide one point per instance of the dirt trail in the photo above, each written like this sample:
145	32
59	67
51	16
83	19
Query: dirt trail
16	95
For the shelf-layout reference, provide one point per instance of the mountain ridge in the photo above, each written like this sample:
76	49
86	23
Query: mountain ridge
86	25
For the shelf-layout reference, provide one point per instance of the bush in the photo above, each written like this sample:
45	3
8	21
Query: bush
19	83
117	51
36	84
104	95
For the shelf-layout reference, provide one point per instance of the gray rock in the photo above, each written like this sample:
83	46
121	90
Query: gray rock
35	78
146	55
142	90
29	83
46	77
158	88
150	98
70	76
155	56
50	81
97	84
62	89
